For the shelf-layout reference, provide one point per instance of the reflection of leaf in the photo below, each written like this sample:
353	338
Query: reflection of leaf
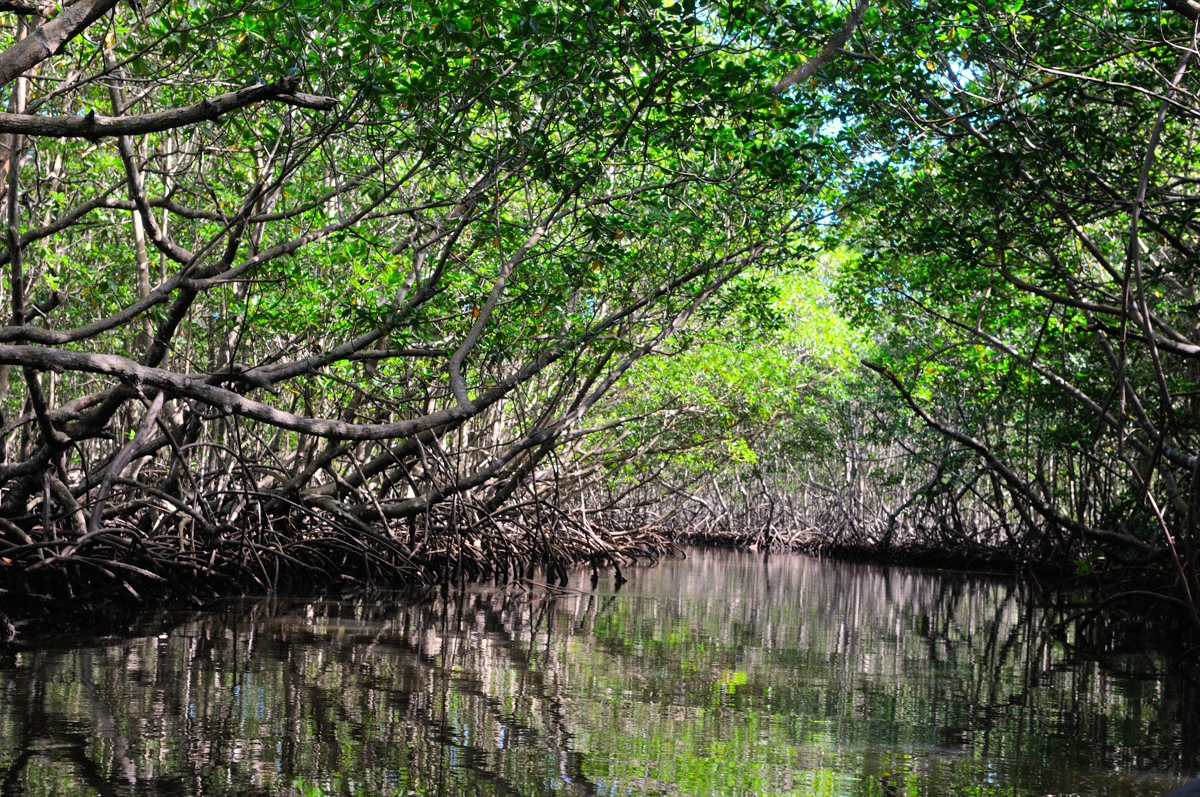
730	681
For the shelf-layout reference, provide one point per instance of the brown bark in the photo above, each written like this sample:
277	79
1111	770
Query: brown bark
92	126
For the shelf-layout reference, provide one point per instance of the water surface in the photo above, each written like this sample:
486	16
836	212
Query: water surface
722	674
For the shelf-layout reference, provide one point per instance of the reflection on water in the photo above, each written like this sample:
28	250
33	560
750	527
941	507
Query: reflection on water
725	674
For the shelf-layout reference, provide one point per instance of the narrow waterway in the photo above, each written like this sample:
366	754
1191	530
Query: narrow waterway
721	674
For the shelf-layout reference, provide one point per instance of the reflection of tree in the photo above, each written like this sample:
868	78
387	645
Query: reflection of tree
307	694
771	675
947	661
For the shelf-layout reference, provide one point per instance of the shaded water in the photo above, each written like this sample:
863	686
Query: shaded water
725	674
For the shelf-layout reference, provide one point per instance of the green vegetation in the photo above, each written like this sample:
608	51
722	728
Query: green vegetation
338	331
367	293
1018	206
1028	268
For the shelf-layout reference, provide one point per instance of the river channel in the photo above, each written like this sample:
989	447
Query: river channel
720	674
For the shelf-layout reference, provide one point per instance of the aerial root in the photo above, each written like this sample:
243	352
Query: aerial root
306	550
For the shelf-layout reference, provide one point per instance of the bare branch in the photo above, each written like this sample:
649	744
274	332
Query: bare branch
51	38
92	126
21	8
832	47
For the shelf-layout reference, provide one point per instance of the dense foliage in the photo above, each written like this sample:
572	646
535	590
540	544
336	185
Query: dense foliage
1026	225
311	292
1018	212
372	292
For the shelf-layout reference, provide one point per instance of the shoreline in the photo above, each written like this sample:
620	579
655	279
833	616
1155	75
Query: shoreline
990	563
29	620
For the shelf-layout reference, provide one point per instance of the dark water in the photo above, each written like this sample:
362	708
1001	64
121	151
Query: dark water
726	674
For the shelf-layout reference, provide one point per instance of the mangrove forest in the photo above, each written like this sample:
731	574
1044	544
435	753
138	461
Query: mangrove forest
599	397
376	295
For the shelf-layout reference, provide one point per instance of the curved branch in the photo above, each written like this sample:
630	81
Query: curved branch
835	43
51	38
92	126
1012	479
123	458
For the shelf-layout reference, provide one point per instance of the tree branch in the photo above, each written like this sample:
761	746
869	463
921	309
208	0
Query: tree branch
1187	8
832	47
21	7
51	38
1015	483
91	126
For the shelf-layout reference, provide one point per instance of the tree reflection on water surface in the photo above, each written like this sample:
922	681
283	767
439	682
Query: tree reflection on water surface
722	674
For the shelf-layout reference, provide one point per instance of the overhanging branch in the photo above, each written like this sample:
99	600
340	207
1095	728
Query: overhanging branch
831	48
51	38
93	126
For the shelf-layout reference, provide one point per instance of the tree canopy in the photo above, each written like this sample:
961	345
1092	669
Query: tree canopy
1027	262
310	292
366	292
